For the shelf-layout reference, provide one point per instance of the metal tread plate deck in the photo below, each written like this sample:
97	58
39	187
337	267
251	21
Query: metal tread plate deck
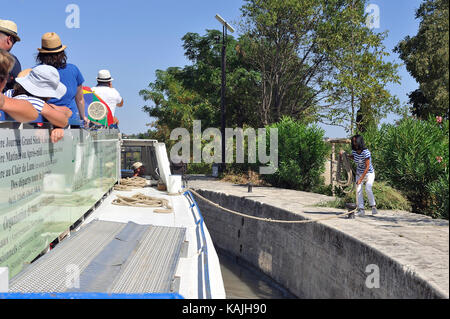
49	273
110	257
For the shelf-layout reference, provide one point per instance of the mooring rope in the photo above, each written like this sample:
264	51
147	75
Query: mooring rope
270	220
140	200
344	164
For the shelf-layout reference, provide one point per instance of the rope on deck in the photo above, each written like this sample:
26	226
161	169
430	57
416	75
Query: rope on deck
130	183
141	200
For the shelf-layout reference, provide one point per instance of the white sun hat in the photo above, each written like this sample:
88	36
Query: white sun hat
43	81
137	165
104	76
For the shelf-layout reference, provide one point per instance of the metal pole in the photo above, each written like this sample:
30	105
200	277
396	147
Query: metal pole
332	168
223	97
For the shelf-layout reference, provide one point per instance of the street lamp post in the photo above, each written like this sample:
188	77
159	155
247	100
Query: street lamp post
225	27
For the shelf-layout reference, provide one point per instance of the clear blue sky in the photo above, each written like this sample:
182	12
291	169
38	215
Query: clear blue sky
135	38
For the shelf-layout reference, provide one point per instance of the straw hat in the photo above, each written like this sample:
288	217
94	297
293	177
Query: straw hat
137	165
10	28
51	43
104	76
43	81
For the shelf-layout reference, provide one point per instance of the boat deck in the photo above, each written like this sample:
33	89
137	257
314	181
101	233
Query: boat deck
133	250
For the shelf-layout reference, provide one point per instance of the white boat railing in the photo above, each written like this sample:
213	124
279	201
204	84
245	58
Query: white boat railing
204	284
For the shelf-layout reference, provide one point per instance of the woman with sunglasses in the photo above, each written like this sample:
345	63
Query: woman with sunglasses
8	37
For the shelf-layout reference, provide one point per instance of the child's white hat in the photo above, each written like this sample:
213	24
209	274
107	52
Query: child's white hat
43	81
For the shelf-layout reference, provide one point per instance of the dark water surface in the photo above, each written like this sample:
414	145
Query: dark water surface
244	282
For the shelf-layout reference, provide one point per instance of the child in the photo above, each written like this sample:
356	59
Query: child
37	86
20	110
364	173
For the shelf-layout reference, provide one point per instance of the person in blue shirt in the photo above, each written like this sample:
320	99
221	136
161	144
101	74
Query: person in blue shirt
52	52
364	173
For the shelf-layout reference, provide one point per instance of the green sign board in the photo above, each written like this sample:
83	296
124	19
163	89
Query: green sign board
46	187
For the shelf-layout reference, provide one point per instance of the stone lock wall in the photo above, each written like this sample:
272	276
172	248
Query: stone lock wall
310	260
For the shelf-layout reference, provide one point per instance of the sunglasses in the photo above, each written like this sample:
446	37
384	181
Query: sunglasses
13	40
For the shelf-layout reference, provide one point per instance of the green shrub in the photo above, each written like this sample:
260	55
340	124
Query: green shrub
412	157
302	153
439	197
386	197
199	168
324	190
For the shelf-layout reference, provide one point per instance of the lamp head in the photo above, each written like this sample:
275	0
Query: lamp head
224	23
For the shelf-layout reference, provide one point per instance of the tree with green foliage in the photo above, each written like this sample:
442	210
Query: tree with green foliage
318	60
307	59
282	42
426	56
173	105
180	95
356	87
419	104
204	76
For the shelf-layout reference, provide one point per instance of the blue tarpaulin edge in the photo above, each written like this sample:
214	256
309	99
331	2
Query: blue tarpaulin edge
88	295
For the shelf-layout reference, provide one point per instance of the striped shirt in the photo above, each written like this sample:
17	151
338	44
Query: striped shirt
360	160
36	102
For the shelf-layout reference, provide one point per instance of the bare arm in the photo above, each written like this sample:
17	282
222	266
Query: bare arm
58	116
120	104
348	155
64	109
79	99
56	135
55	116
20	110
367	162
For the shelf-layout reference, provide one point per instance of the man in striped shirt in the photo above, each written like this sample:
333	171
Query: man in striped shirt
364	173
